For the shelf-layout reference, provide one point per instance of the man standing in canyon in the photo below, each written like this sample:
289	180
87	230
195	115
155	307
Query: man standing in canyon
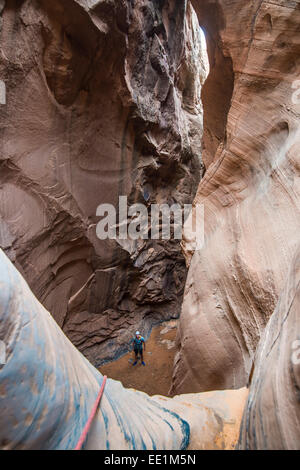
138	343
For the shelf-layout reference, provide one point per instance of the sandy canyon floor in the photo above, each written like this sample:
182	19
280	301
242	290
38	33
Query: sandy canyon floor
155	378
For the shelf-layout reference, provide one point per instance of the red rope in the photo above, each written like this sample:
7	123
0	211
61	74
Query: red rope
92	416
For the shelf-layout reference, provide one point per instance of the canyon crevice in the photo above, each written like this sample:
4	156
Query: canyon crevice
103	100
116	98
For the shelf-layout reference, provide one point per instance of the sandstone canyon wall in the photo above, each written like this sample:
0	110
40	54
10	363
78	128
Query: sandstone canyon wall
272	413
250	190
47	391
103	100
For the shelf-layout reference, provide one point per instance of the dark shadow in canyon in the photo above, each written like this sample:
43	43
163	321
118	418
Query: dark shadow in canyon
102	103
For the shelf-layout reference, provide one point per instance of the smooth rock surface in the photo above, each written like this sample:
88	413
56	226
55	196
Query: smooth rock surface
250	192
272	414
48	389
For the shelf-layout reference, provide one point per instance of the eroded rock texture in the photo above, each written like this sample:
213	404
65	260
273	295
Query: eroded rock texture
272	413
48	389
250	191
103	100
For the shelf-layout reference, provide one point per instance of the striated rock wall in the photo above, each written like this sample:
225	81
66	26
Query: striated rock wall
272	414
250	190
103	100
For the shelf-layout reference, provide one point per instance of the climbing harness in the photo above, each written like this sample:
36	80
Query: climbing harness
92	415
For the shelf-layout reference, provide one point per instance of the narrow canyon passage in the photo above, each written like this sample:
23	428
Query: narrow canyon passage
156	377
121	123
77	135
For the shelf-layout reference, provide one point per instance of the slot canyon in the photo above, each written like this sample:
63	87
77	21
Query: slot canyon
187	103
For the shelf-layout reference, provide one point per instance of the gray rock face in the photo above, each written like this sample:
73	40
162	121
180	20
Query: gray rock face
103	100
